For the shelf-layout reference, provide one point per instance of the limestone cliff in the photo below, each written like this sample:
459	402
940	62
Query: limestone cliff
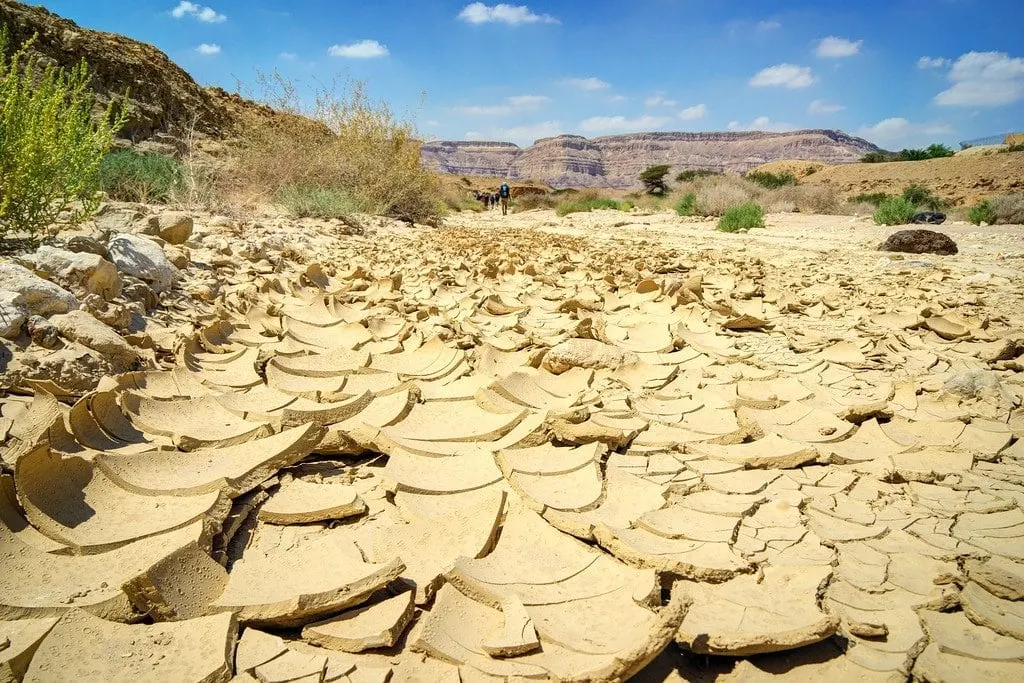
617	160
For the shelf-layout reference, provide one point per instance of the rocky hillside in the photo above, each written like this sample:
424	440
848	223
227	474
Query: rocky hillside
164	98
616	160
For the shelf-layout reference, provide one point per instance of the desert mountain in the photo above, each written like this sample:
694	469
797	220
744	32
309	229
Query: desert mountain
617	160
163	98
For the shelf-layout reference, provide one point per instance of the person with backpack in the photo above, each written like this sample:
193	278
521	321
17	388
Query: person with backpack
504	193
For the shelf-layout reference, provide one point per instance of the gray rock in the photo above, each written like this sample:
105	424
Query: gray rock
79	326
83	244
174	227
919	242
43	332
12	314
972	383
38	296
83	272
143	258
115	220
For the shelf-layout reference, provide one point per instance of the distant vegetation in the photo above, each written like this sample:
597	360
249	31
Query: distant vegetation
694	173
687	204
52	145
981	213
589	201
653	179
742	217
921	196
929	152
771	180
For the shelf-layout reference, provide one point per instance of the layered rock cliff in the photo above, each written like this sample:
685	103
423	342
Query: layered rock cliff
617	160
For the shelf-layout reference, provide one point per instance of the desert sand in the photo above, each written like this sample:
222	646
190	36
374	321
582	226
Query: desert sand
525	447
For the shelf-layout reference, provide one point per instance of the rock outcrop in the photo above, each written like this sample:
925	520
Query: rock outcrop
617	160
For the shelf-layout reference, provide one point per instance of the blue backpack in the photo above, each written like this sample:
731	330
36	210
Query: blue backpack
503	191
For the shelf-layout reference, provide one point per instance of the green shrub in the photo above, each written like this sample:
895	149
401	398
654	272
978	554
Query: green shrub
742	217
585	204
877	157
939	151
694	173
769	180
316	202
626	205
687	204
1016	147
51	144
875	198
653	179
1008	209
981	213
921	196
128	176
894	211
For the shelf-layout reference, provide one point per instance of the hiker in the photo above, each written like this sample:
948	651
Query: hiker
494	200
504	192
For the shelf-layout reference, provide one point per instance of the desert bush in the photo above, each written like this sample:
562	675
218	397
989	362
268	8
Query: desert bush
585	204
716	195
128	176
894	211
742	217
769	180
803	198
52	145
921	196
1015	147
694	173
1008	209
877	157
687	204
316	202
653	179
875	198
344	142
981	213
535	201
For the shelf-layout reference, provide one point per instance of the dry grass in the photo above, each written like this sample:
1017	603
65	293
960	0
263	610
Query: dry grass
344	142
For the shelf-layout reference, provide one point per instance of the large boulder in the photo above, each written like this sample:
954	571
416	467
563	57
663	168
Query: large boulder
173	227
919	242
143	258
82	272
79	326
38	296
12	314
85	244
586	353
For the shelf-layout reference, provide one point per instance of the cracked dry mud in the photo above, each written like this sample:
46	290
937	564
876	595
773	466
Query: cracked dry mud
531	448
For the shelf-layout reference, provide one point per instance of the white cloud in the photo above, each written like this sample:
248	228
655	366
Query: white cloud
479	13
597	124
190	9
288	56
617	98
587	83
768	25
762	123
485	110
364	49
788	75
834	46
208	49
899	130
659	100
819	107
932	62
527	133
512	104
984	79
697	111
527	101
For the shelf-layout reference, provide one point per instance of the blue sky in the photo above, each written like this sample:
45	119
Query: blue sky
898	72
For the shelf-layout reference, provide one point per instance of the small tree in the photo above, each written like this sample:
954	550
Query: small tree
51	145
654	179
939	151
